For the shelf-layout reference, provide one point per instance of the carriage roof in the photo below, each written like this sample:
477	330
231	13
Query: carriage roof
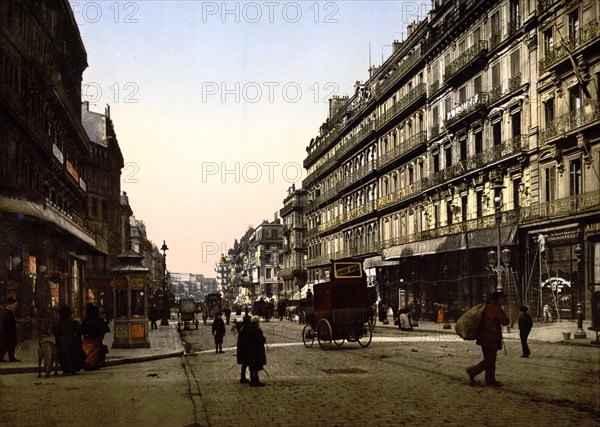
346	289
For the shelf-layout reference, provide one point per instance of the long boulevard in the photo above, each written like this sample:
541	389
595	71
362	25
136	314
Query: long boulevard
402	378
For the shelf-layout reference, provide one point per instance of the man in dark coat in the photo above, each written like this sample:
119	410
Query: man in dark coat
489	337
218	331
257	357
243	349
153	315
525	326
68	335
8	330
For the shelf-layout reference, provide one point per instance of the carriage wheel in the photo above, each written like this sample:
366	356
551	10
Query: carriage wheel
372	323
308	336
324	334
367	335
339	342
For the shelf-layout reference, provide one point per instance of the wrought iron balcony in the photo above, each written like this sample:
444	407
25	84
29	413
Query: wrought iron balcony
570	122
473	104
419	92
404	147
399	72
566	206
586	34
475	52
514	82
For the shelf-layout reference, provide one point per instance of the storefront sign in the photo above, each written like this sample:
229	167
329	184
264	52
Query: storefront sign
58	154
72	171
592	228
563	236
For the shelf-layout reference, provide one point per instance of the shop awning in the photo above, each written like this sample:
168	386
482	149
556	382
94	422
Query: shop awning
454	242
377	261
488	238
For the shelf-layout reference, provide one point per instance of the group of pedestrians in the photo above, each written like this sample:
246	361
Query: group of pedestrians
80	345
251	353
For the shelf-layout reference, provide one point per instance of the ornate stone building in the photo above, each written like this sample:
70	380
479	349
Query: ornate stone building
43	152
474	136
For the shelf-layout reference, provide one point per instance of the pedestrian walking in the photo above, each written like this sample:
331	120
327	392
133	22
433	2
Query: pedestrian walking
489	337
547	313
93	329
227	312
257	357
243	348
8	329
404	320
218	331
525	326
153	315
67	334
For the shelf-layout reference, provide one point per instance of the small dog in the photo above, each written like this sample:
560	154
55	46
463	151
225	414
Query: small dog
48	352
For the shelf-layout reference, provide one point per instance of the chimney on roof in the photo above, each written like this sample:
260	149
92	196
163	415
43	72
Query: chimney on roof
107	111
396	45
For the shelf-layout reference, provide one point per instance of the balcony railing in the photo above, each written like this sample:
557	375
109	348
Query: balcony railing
587	33
404	147
514	82
403	103
478	49
351	143
570	121
399	72
566	206
476	102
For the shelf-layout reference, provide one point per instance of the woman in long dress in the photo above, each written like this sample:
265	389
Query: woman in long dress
93	328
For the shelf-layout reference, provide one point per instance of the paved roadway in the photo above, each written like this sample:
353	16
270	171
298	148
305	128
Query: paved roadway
402	378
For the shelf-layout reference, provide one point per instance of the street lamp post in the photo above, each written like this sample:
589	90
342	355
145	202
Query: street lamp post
165	314
497	186
579	333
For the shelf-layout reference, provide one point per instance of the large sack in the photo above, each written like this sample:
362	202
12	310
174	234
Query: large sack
467	325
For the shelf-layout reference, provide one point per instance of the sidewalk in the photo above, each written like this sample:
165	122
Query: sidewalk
164	342
541	332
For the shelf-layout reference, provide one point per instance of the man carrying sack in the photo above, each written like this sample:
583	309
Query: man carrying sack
489	337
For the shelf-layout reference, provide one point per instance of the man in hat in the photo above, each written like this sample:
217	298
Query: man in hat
525	326
8	329
257	357
489	337
218	331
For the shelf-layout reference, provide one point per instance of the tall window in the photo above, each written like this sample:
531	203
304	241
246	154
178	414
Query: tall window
463	149
436	216
496	32
549	176
497	133
575	186
476	35
411	176
477	85
448	156
548	41
449	212
574	27
574	99
464	200
478	142
516	124
496	82
462	94
549	112
436	162
515	63
479	200
515	192
514	13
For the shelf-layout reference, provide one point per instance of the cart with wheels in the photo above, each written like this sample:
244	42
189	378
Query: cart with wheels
340	309
186	314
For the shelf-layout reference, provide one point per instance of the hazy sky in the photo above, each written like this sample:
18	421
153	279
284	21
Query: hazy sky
214	103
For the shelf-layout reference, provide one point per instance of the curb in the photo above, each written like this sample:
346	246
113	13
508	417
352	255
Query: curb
114	362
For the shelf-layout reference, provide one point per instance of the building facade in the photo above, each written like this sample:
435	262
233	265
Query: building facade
265	254
292	271
43	152
473	137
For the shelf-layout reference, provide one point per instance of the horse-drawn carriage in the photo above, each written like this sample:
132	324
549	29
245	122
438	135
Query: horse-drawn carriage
340	308
186	314
212	305
264	309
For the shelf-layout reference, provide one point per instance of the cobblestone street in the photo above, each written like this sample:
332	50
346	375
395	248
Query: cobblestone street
402	378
